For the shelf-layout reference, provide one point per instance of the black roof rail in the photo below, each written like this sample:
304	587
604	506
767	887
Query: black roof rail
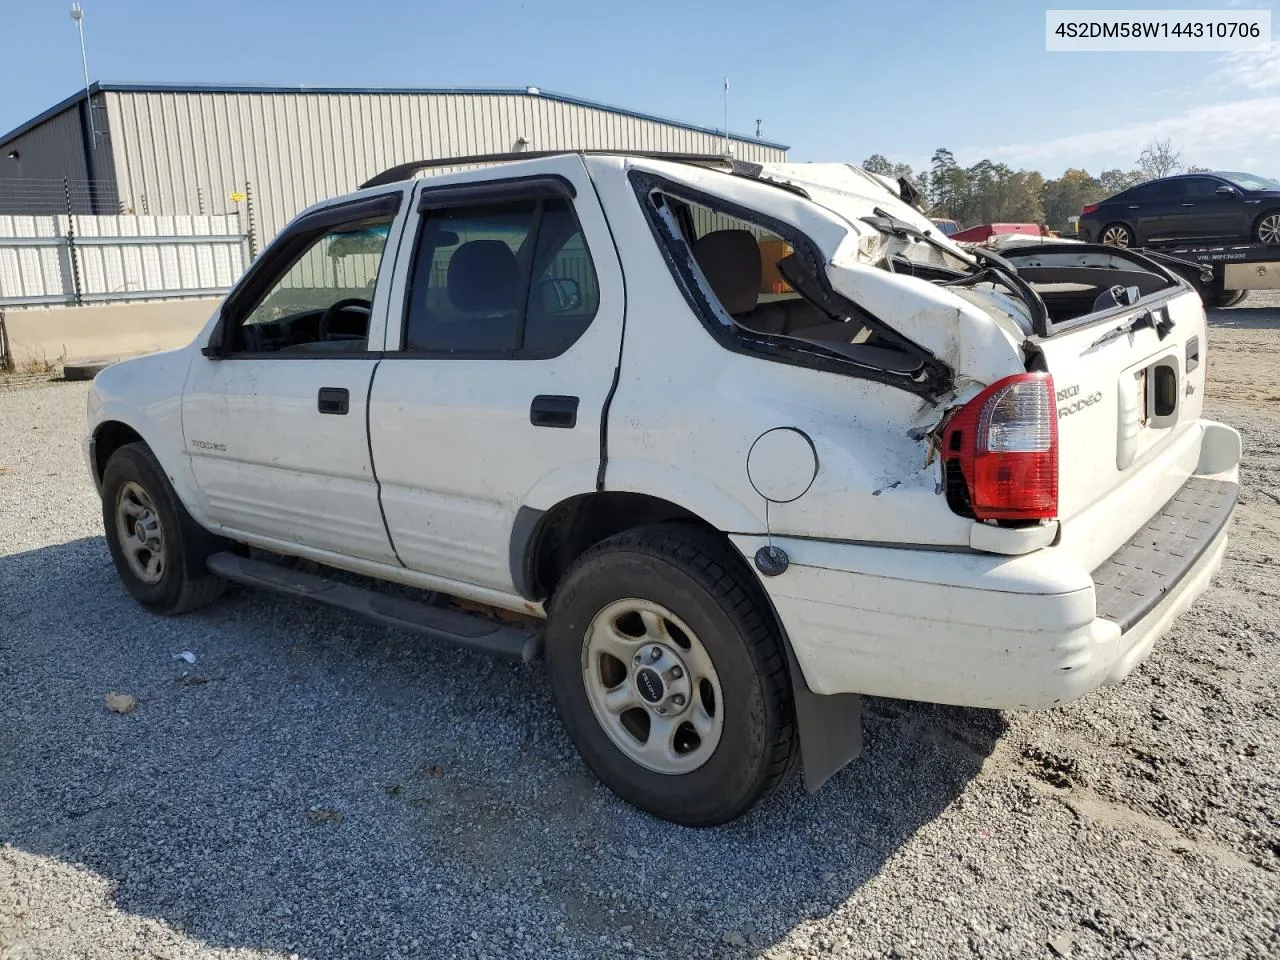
405	170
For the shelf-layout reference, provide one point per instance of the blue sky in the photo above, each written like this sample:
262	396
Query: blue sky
835	80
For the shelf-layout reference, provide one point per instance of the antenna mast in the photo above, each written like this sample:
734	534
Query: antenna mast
726	116
78	16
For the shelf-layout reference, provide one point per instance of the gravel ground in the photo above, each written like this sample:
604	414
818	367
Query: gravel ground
313	785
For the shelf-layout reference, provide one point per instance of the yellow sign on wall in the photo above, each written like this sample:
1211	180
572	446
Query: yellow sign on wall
237	197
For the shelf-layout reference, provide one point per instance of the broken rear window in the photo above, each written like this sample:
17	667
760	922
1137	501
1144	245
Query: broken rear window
760	287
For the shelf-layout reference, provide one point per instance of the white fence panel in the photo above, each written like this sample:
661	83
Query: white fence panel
117	258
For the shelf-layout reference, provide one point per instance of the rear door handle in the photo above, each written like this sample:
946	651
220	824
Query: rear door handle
1188	204
554	411
336	400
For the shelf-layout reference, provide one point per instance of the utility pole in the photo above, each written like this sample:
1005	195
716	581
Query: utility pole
78	16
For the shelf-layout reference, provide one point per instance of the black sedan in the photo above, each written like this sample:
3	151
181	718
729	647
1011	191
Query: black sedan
1240	207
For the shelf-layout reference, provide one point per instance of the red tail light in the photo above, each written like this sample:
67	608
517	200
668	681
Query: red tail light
1005	444
1087	209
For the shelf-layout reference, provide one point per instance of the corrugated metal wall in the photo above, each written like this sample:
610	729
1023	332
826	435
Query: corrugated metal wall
187	151
52	150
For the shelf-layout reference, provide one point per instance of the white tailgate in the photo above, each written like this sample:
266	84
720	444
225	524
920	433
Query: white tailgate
1128	422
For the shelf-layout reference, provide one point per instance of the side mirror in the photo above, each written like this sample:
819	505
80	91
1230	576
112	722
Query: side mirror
214	349
1225	191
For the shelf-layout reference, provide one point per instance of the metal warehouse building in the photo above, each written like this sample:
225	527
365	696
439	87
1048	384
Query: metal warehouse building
170	149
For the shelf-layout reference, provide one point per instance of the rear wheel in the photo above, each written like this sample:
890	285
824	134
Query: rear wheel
1221	299
1267	229
158	549
1117	235
670	677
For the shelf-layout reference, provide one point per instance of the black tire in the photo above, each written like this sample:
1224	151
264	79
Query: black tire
693	575
1221	299
1268	223
184	583
1118	231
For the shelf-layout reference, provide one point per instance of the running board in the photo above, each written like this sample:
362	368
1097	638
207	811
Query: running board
451	626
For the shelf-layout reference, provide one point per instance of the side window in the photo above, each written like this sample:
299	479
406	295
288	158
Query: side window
740	261
757	285
1202	188
322	301
1168	190
511	278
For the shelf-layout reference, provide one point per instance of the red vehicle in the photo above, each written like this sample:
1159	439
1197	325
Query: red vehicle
985	231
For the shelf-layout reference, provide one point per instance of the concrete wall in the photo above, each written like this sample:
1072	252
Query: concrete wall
107	332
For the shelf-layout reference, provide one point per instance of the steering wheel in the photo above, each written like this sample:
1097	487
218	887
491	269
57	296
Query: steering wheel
326	318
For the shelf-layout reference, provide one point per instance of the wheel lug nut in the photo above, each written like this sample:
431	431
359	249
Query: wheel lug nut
676	673
655	653
678	699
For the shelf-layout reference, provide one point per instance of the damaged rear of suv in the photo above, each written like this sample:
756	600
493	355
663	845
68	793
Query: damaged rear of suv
732	444
982	480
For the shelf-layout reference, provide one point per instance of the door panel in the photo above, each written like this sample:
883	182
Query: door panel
452	427
1159	210
1204	214
270	462
274	412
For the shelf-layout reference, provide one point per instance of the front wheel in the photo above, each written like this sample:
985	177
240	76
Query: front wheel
1267	229
670	677
158	549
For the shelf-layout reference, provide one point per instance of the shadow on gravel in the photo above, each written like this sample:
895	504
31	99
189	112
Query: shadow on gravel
313	784
1246	318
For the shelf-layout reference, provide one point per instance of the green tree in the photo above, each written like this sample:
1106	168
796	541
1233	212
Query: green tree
879	164
1117	181
1065	196
948	187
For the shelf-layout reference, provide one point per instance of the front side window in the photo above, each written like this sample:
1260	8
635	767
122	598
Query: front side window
1202	188
1250	181
509	278
322	301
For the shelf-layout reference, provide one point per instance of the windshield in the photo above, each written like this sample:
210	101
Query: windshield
1251	181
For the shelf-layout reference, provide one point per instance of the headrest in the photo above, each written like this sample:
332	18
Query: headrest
730	259
484	277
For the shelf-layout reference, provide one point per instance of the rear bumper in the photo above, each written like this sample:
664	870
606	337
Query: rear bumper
1025	632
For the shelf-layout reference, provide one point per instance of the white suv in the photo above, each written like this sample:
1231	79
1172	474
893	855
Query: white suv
732	444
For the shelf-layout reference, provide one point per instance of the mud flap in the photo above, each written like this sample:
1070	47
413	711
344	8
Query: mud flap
830	728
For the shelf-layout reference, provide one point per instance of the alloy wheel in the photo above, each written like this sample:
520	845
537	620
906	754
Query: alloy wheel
1116	236
1269	229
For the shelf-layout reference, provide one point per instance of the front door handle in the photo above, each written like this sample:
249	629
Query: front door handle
554	411
1188	204
336	400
